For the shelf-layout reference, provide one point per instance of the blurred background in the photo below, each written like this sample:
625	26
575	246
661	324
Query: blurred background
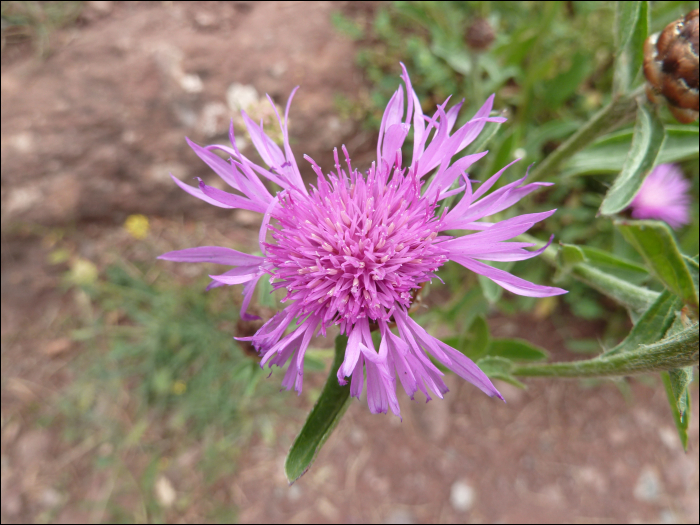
124	396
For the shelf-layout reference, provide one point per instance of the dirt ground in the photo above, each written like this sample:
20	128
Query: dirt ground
89	136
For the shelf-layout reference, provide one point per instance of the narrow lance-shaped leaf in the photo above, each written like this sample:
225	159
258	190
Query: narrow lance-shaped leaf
322	420
652	325
499	368
646	143
474	343
608	153
517	350
636	44
694	269
603	259
655	243
570	261
681	419
626	17
680	381
631	27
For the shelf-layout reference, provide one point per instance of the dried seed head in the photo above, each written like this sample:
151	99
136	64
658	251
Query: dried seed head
671	67
480	35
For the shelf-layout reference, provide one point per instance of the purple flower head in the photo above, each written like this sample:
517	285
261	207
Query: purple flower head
354	250
663	196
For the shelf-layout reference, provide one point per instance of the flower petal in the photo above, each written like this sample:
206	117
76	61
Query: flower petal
270	152
196	192
231	200
216	163
352	354
508	281
234	279
213	254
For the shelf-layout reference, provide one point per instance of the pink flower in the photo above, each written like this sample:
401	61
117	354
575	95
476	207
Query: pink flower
663	196
353	249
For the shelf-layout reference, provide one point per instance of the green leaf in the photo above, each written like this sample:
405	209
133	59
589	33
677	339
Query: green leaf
636	44
322	420
555	130
655	243
634	297
492	292
681	378
475	341
679	381
646	144
608	261
692	264
652	325
479	338
517	350
626	17
496	367
468	305
631	28
680	405
560	88
681	143
608	153
568	256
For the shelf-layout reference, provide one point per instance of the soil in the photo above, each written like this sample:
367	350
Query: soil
89	136
93	131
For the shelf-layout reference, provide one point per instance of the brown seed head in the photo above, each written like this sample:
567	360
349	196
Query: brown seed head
480	35
671	66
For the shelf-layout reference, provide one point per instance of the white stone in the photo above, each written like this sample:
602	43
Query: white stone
648	487
462	496
294	493
240	96
165	492
191	83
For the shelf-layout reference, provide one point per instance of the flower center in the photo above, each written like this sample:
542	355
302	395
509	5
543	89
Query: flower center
354	247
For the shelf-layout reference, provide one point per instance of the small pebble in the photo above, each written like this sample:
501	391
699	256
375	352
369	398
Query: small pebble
462	496
648	487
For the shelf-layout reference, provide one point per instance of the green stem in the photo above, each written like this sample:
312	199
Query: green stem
673	352
620	111
322	420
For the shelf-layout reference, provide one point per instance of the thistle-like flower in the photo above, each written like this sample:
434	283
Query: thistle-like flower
663	196
353	250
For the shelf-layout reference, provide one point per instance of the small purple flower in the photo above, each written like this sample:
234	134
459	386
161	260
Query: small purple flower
663	196
354	249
